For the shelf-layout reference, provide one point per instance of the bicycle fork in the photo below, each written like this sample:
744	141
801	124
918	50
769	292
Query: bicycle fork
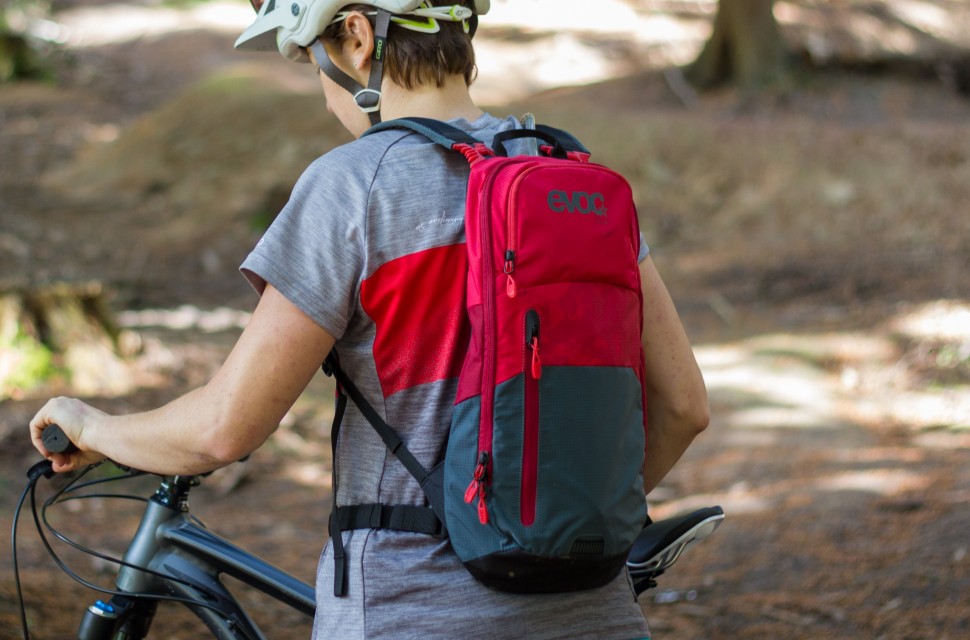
121	618
127	617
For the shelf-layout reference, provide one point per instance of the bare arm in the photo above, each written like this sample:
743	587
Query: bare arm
269	367
677	407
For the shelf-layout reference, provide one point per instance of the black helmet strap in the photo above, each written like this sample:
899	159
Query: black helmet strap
368	98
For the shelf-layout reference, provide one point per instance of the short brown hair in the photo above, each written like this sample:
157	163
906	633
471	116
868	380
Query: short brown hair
415	58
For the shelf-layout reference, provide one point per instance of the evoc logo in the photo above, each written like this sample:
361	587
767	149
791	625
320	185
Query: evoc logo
577	202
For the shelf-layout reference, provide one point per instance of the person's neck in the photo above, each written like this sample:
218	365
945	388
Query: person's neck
447	102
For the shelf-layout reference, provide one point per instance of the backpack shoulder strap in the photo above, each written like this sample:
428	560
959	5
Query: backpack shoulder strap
453	138
435	130
384	430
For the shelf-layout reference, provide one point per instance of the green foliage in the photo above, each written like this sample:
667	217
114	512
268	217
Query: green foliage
25	363
21	56
945	364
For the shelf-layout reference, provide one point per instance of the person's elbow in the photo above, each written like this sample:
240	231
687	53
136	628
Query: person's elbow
221	449
697	415
233	434
688	409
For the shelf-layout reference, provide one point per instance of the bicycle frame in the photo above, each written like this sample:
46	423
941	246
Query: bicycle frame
171	555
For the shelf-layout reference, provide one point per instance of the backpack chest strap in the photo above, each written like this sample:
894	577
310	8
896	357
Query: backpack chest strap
396	517
375	516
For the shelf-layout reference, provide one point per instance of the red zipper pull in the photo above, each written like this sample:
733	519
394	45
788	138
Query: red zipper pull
478	486
482	509
536	360
471	491
477	481
510	289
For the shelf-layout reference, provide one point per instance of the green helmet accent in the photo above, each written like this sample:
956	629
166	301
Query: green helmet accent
291	25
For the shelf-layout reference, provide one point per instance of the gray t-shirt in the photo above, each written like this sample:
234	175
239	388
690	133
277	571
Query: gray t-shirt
366	247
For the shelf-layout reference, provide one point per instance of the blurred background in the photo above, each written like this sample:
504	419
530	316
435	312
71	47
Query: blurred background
802	172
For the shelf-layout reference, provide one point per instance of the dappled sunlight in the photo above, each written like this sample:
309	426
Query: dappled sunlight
737	500
746	497
557	48
941	319
883	482
801	418
793	417
755	390
868	30
929	18
556	61
527	47
944	407
911	370
806	425
873	35
928	385
302	441
876	455
309	474
186	317
944	440
541	15
125	22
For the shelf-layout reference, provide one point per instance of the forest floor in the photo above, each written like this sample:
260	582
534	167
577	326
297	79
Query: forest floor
815	240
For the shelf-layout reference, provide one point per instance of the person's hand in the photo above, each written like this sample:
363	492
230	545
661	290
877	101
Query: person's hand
74	417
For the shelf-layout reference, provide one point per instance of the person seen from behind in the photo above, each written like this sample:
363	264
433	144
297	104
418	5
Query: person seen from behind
364	257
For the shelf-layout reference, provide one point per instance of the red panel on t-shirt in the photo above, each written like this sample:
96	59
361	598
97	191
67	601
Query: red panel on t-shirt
417	303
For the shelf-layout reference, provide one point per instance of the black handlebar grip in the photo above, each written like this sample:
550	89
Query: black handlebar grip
55	440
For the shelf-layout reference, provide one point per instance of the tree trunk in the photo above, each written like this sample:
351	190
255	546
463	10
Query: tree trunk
745	49
61	330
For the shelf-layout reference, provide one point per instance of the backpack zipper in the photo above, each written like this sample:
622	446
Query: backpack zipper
481	477
483	468
532	372
512	242
478	485
512	234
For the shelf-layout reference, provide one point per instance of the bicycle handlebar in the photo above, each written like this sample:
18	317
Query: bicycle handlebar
56	441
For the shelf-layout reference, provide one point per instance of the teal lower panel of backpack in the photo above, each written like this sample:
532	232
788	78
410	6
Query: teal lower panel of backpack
468	536
584	504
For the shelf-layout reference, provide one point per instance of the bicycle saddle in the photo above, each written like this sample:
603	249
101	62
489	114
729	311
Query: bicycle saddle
660	543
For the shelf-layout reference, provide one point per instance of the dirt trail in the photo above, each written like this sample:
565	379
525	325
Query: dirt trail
838	370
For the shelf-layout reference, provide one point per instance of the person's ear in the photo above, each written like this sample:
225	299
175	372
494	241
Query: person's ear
359	43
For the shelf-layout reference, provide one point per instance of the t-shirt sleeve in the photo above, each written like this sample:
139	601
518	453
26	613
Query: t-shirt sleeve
314	252
644	249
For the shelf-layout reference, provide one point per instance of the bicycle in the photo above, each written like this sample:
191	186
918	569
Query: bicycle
173	557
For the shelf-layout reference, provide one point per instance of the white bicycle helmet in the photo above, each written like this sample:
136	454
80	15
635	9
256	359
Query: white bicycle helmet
292	25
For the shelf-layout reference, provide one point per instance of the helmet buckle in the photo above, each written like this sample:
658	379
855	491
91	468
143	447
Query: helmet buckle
368	100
